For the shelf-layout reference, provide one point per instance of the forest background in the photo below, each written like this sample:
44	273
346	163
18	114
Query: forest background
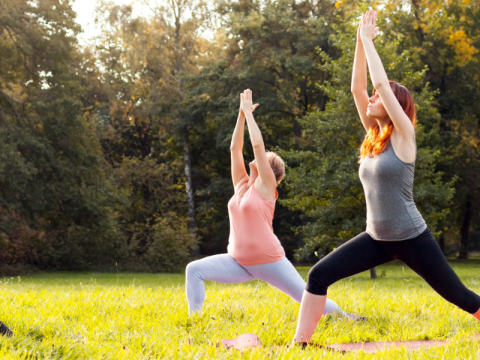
115	154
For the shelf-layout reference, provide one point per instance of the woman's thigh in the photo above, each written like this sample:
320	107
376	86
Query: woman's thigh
282	275
219	268
355	256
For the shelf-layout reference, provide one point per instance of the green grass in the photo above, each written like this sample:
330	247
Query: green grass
144	316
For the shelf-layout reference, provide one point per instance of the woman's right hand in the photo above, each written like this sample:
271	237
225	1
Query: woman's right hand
240	110
368	29
246	103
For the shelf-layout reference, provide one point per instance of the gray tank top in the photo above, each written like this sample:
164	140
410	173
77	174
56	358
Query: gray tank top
388	185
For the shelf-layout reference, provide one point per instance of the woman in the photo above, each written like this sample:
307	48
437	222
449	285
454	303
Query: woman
254	252
395	228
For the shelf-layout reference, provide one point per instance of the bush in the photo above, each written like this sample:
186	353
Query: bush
165	247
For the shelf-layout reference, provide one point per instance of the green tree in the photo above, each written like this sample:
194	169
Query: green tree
269	47
137	120
54	194
323	183
445	37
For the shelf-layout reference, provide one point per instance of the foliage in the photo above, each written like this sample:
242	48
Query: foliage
54	193
269	47
107	150
323	179
155	237
445	37
136	123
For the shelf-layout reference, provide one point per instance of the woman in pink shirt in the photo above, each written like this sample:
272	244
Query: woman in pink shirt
254	251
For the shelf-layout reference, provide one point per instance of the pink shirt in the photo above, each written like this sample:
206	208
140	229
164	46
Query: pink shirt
252	241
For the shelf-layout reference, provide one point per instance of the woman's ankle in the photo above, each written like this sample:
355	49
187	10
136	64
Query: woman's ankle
300	344
477	315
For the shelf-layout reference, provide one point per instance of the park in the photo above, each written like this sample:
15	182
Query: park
139	316
176	175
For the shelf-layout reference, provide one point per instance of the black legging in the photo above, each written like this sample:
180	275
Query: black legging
422	254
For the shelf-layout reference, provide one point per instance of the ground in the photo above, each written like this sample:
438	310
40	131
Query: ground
144	316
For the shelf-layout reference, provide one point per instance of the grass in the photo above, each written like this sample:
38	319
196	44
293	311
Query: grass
144	316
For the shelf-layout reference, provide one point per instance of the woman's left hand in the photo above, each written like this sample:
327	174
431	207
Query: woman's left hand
368	30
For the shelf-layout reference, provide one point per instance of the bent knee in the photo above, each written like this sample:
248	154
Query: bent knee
193	269
318	280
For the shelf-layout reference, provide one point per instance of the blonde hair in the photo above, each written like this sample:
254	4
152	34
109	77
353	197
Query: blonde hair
277	165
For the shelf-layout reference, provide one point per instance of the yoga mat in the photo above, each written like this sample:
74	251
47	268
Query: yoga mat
248	341
373	347
245	341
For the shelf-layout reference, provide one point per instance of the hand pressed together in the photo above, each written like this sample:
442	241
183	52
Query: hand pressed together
367	28
246	103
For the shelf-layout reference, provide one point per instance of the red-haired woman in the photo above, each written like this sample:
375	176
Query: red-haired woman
395	228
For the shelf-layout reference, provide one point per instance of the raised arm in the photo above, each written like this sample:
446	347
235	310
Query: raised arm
265	172
400	120
359	81
236	150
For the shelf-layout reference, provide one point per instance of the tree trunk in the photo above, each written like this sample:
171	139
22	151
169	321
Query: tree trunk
297	130
467	217
373	273
441	242
189	186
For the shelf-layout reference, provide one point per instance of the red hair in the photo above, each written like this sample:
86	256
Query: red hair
376	141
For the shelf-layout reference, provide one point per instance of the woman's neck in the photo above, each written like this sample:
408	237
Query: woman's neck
383	122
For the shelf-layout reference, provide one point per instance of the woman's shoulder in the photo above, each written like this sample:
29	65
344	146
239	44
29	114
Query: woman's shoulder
241	183
263	191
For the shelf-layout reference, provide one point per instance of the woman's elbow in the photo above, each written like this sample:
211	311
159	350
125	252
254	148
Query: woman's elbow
382	84
257	145
356	88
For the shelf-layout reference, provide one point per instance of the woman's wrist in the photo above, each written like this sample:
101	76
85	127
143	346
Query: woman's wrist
365	38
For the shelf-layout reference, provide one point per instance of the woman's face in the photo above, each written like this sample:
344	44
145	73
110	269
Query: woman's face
375	108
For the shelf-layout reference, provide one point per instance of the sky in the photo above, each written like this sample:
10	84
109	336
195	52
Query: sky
85	15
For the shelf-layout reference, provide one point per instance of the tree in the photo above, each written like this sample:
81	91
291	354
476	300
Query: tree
184	21
269	47
323	182
137	120
444	36
54	194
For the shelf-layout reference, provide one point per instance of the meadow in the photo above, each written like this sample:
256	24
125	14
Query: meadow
144	316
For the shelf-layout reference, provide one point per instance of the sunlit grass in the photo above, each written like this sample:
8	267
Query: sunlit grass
142	316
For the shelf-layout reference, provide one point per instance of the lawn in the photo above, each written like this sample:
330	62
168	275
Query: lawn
144	316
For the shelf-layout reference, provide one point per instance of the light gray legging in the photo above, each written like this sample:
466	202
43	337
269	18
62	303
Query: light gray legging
224	269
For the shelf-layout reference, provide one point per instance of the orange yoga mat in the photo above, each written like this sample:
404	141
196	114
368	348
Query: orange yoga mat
248	341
